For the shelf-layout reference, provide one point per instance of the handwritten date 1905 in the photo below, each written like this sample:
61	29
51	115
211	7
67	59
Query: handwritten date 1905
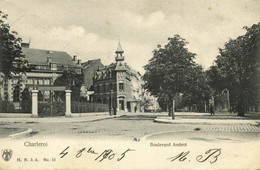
106	154
211	155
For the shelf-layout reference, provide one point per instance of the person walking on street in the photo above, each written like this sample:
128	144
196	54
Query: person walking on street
211	109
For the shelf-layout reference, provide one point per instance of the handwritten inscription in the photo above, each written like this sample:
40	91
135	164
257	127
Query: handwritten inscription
108	154
210	155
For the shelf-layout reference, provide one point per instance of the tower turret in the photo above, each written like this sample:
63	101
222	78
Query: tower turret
119	53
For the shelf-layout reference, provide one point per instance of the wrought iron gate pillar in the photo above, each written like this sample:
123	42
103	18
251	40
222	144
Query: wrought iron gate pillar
68	103
35	103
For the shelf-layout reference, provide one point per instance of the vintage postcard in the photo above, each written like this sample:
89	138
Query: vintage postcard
130	84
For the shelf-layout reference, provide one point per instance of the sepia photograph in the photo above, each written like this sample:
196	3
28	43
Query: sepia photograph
130	84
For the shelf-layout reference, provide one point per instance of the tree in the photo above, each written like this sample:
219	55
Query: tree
26	100
198	92
11	58
238	69
73	81
169	71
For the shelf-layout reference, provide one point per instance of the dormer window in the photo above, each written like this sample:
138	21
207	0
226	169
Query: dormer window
53	66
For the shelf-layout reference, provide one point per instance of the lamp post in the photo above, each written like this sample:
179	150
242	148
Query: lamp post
111	103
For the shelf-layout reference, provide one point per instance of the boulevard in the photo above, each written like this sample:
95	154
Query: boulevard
225	127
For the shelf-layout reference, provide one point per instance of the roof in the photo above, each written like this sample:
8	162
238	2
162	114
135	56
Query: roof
119	48
38	56
112	66
89	62
121	67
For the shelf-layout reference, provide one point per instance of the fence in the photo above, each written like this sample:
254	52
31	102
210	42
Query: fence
53	108
56	108
86	107
9	107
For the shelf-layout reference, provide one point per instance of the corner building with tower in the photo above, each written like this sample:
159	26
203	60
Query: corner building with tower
118	85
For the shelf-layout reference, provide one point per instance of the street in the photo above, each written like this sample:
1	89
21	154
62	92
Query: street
135	128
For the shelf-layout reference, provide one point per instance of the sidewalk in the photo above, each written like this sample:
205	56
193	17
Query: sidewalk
205	118
76	117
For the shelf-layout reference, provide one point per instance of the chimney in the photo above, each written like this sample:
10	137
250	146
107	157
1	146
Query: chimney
48	59
79	61
25	45
75	58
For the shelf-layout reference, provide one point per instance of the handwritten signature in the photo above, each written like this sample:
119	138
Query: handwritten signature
106	154
210	155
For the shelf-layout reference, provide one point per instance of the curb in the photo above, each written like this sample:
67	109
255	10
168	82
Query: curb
111	117
144	138
21	134
65	120
201	122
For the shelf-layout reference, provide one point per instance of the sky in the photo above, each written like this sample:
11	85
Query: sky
92	29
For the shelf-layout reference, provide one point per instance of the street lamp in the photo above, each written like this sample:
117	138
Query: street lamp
111	103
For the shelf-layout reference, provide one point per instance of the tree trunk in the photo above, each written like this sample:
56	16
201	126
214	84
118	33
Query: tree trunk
241	108
171	106
205	106
173	109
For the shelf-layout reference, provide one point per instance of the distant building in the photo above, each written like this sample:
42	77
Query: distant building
46	66
149	102
119	82
89	69
221	101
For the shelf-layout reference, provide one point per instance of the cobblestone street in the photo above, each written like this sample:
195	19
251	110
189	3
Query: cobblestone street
136	127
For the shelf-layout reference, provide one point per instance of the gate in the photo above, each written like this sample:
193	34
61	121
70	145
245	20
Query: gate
52	106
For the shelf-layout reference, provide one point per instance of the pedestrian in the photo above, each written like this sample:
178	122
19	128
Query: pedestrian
211	109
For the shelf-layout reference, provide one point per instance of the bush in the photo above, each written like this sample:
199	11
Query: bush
26	107
6	107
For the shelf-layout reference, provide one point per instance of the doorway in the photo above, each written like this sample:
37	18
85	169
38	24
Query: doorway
121	105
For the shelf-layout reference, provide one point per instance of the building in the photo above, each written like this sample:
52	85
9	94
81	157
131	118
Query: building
45	67
89	69
118	83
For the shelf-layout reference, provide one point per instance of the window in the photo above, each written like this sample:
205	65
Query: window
16	94
40	81
53	66
104	88
47	81
30	81
15	81
121	87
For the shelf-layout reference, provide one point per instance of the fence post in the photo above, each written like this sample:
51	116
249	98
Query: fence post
68	103
35	103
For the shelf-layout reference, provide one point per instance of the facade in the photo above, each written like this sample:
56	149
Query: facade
89	69
118	83
45	67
